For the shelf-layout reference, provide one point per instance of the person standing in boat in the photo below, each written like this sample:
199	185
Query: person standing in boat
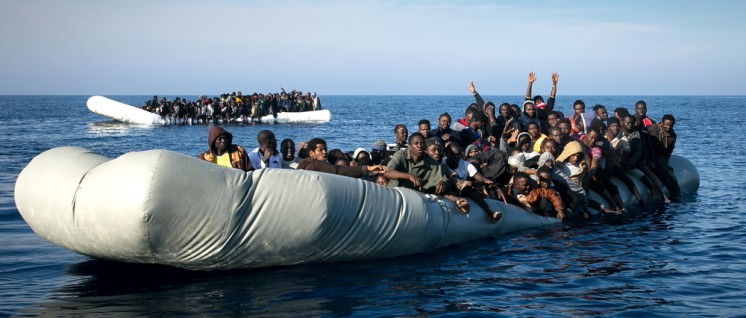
641	113
317	161
266	155
663	140
223	152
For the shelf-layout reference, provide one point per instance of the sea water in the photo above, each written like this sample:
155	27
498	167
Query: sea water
686	258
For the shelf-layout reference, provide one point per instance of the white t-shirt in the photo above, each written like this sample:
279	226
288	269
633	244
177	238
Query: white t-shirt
257	163
464	170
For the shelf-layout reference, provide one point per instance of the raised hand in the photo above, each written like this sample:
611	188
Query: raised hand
472	90
555	78
531	77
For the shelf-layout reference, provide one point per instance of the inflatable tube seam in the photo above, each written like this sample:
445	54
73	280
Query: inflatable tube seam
148	207
75	195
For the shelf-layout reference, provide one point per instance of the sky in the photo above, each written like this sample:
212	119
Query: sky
190	47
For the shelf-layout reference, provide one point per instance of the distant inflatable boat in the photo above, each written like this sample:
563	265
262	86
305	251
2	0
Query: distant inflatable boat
133	115
143	208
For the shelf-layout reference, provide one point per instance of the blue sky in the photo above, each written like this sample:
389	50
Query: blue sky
372	47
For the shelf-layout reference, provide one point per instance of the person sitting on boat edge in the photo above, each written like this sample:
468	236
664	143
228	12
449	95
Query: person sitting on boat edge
663	141
533	198
266	155
317	161
416	170
469	181
223	152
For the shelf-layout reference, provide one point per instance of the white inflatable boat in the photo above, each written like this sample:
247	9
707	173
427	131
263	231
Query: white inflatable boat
143	208
134	115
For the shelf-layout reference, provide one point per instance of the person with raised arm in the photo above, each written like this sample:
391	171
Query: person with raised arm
542	109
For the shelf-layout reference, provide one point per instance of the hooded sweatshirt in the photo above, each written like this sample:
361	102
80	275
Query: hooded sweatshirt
238	156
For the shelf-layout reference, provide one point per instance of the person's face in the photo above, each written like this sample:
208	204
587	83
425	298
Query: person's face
382	180
362	155
417	147
641	110
601	113
667	125
221	143
614	129
516	110
521	185
553	119
578	108
444	122
548	147
530	110
524	143
590	138
564	128
319	153
424	129
472	153
289	153
434	152
504	111
544	179
575	158
533	130
555	135
401	135
628	123
601	130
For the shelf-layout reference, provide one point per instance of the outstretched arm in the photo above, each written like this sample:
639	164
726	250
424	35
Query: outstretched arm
477	98
555	79
531	79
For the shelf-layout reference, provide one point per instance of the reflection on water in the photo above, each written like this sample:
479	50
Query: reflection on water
113	128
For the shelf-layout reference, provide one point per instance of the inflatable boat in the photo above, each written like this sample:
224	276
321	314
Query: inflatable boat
133	115
143	208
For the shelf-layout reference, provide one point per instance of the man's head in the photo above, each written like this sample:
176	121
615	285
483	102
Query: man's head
628	123
521	182
453	155
641	108
544	176
423	127
601	112
434	148
477	120
620	112
287	148
578	107
266	139
416	145
444	121
400	133
550	145
667	122
219	140
553	118
565	126
316	149
529	109
504	110
533	130
555	133
613	126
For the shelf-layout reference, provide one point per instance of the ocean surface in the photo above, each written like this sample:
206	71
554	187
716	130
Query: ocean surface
681	259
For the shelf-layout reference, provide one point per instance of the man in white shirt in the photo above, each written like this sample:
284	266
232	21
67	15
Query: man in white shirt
266	155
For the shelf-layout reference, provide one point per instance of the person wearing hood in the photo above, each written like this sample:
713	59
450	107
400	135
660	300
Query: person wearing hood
529	115
223	152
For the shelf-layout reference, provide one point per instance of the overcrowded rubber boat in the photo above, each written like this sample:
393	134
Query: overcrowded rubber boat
142	208
130	114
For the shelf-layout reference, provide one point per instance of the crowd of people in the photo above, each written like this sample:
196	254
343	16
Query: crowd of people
229	107
532	156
